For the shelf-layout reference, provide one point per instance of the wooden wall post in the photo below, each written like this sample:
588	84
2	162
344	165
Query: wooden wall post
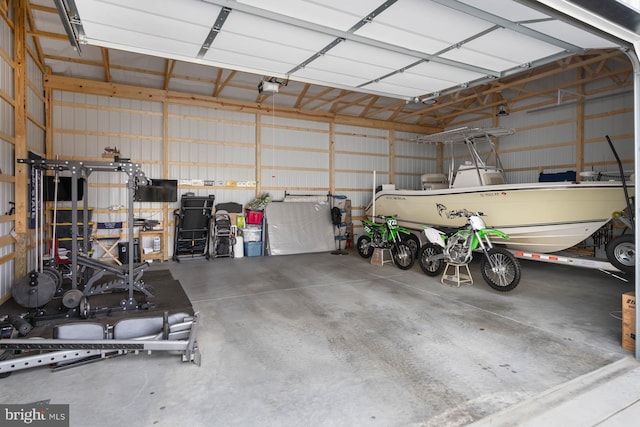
580	126
259	154
332	157
392	156
20	117
165	174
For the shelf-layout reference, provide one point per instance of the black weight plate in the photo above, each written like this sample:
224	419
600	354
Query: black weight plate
33	296
55	275
72	298
84	307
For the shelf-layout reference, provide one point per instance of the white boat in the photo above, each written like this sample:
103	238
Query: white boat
539	217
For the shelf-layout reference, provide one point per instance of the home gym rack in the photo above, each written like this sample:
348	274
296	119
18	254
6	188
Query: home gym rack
83	169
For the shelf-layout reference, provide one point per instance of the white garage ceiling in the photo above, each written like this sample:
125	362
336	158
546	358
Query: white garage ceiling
407	49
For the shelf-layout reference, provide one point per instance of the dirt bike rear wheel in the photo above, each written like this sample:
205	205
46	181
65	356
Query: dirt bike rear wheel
402	256
365	250
413	242
430	268
508	272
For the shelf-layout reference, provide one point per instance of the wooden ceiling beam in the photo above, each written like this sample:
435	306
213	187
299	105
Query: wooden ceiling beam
47	34
217	83
226	82
105	64
41	8
575	62
343	94
369	106
542	92
316	97
39	56
169	65
70	84
301	96
4	11
352	103
391	107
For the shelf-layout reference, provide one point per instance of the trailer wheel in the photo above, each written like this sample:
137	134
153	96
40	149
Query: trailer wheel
621	253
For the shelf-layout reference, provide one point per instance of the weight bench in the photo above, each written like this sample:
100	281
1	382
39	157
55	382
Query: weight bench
120	283
83	342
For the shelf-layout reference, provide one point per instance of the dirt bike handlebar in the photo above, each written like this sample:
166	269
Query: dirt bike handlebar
385	216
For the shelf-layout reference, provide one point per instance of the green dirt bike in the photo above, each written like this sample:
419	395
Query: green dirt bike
386	235
500	269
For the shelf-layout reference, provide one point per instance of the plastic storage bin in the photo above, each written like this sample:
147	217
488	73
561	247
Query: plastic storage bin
252	248
253	217
252	234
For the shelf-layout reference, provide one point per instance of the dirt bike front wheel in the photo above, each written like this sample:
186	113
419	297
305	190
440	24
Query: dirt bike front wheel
430	268
506	274
402	256
365	250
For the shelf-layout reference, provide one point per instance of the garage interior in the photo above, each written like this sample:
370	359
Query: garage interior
247	104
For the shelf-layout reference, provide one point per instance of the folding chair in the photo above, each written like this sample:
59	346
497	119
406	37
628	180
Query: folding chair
108	242
60	257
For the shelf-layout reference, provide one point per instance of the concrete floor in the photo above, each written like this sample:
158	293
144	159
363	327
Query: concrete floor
330	340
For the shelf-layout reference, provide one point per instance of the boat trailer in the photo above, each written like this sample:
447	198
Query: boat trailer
584	262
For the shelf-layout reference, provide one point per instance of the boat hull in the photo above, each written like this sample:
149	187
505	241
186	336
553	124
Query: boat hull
540	217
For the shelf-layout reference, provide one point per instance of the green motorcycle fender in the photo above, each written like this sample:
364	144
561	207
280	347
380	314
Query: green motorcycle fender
395	232
487	232
369	226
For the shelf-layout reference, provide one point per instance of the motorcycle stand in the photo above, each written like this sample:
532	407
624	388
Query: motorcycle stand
380	256
456	278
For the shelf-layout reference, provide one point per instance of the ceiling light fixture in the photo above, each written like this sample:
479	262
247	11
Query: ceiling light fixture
502	111
430	100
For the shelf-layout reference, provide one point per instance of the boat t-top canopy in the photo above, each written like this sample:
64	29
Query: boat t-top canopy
465	134
488	165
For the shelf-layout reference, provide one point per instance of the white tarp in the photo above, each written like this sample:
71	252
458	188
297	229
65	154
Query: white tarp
299	227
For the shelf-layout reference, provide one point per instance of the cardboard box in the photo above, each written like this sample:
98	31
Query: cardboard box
629	321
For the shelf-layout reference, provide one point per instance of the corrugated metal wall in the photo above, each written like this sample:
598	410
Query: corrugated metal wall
216	147
35	139
550	138
7	155
295	156
358	152
214	151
